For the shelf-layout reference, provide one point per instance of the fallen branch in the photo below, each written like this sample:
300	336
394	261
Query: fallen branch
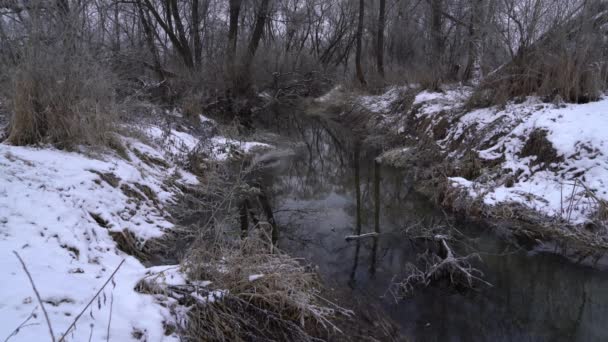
445	264
362	236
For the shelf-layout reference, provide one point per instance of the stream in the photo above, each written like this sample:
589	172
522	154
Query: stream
535	296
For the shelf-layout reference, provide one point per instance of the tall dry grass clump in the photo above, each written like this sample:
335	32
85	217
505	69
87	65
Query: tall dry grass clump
266	296
60	96
567	63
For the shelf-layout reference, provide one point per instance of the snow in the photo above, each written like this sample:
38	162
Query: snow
180	143
46	200
381	104
57	210
435	102
222	147
330	94
254	277
578	133
210	297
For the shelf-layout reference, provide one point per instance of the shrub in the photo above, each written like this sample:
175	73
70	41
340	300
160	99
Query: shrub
60	98
567	62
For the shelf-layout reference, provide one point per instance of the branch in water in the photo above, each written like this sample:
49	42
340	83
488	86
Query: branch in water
362	236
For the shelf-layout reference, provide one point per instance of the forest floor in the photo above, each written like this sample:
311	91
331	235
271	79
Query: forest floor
539	168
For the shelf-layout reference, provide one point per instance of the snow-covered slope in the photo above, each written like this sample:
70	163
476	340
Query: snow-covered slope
58	210
47	202
579	136
549	157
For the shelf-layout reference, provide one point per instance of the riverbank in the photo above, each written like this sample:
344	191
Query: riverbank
331	188
146	236
534	167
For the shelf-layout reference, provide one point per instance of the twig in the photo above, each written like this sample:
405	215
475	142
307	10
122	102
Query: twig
361	236
46	315
110	319
90	302
22	325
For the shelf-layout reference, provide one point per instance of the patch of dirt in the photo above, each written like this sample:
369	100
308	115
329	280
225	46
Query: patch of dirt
538	145
147	191
132	193
108	177
100	221
440	129
128	243
150	160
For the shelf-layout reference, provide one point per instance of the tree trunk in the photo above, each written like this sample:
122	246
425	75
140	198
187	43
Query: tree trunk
145	23
358	186
185	46
243	216
436	42
64	8
244	83
380	47
183	50
477	34
359	38
116	27
235	9
196	34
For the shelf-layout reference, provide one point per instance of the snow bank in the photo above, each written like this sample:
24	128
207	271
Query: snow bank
179	143
432	103
48	201
381	104
59	209
577	132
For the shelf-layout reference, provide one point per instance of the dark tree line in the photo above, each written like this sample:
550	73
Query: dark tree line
199	50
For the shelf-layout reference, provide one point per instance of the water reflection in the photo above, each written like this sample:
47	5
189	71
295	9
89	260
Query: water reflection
333	188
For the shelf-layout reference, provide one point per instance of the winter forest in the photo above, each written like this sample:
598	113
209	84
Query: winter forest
303	170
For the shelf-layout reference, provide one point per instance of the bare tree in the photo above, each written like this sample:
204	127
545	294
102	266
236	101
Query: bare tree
359	37
234	9
244	83
380	47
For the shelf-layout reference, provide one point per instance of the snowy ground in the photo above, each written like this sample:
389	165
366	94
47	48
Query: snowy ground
579	135
567	189
57	210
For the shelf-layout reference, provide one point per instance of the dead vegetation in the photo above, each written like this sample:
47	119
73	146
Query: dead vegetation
268	296
64	98
541	148
239	286
439	261
567	63
527	227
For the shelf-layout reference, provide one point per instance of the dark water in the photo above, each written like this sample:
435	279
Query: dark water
535	296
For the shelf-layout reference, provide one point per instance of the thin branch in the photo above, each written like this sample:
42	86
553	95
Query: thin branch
46	315
110	319
90	302
22	325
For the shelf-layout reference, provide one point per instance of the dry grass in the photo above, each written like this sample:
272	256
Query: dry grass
61	99
566	64
283	304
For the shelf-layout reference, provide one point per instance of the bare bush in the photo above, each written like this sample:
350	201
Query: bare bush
567	62
269	296
438	262
60	98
